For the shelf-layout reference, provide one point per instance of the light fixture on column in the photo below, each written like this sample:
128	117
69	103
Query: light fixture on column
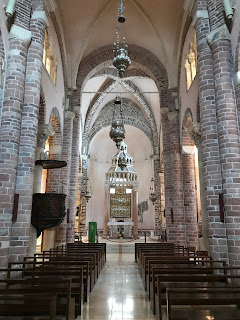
121	60
152	196
117	131
88	193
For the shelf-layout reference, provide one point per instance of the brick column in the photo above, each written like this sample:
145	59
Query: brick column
74	178
194	131
28	138
135	213
157	190
190	197
210	148
106	212
167	174
219	40
177	215
19	39
61	230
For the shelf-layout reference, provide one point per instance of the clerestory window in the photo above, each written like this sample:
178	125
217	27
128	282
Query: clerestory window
49	59
191	63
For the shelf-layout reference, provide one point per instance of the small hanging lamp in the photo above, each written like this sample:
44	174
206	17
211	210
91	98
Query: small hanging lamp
152	196
121	60
117	131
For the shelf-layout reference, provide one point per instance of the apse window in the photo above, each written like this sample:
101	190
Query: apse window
191	63
49	59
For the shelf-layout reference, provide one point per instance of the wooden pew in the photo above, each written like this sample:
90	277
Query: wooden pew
188	280
202	297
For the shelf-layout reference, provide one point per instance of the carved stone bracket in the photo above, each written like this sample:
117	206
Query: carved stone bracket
20	33
173	116
44	131
69	115
41	15
200	14
220	33
194	131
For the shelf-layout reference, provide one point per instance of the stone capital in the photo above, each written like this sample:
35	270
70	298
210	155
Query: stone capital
41	16
44	131
200	14
187	149
220	33
164	110
69	115
237	79
173	116
20	33
76	109
194	131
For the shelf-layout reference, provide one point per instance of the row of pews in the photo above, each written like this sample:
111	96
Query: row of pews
175	276
55	282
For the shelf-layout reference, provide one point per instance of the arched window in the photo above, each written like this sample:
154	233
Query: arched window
49	59
191	63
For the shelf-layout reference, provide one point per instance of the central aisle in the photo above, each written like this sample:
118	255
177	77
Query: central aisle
118	293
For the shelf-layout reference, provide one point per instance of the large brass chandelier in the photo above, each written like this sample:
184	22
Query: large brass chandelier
121	60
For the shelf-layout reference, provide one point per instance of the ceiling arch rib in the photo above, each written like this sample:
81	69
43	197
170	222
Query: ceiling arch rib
132	115
133	89
103	56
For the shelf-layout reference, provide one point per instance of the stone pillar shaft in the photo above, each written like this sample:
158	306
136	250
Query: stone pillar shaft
228	138
210	148
106	214
167	174
61	230
74	178
28	138
10	128
135	213
177	215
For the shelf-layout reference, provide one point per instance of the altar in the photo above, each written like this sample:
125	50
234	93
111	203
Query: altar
120	227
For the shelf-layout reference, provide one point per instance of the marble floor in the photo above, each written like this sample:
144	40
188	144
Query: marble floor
118	293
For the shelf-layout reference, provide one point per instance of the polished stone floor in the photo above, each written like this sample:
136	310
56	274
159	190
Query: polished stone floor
118	293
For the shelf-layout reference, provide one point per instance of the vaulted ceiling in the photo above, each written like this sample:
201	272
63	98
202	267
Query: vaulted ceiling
154	25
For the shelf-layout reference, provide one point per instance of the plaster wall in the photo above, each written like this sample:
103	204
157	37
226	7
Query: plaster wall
188	98
54	94
236	26
3	25
102	149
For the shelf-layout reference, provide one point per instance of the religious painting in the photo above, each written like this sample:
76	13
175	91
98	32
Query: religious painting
120	204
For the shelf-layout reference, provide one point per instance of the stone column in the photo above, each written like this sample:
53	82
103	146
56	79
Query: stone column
228	138
210	149
157	190
167	174
190	196
61	230
74	177
19	39
177	215
135	213
106	212
194	131
44	131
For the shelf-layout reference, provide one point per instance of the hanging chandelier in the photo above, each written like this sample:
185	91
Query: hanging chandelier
121	60
152	196
117	131
88	193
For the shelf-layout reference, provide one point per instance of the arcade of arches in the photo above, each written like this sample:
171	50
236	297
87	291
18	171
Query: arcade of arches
181	112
